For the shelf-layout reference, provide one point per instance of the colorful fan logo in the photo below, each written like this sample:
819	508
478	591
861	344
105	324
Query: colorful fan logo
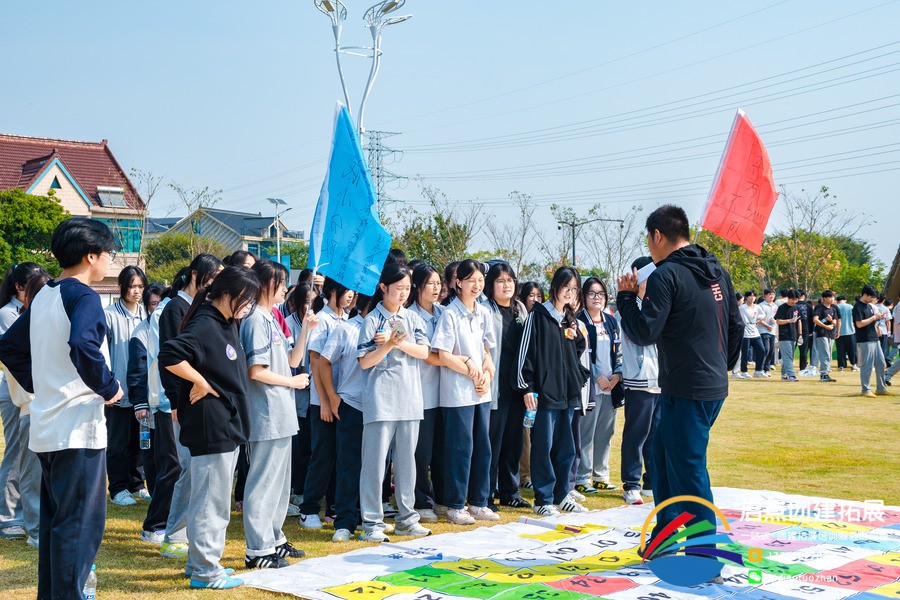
687	562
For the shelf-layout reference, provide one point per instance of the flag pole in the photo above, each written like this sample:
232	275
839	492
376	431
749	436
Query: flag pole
709	198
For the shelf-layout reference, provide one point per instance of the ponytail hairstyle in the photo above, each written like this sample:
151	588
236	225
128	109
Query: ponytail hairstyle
36	281
328	288
268	273
181	280
238	258
561	278
450	273
363	304
154	289
18	275
125	277
238	282
494	273
586	286
420	276
296	303
466	269
392	273
204	268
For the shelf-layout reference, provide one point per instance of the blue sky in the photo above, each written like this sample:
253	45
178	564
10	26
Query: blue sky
574	102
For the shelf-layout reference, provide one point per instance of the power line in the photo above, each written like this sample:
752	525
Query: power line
377	151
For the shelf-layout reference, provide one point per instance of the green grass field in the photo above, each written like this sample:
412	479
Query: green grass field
808	438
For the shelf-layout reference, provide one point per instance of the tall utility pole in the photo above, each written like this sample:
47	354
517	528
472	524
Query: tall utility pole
377	151
576	224
278	202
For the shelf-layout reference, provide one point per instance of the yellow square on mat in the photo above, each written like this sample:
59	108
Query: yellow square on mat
836	526
891	590
474	567
888	558
374	590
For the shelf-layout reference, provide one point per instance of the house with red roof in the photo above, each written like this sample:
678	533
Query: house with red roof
87	180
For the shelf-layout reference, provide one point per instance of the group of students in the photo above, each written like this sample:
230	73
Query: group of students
419	390
865	334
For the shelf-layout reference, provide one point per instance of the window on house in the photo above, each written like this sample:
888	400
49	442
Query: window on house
127	232
55	184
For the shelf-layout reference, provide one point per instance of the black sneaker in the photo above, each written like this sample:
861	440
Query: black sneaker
493	506
287	551
827	379
272	561
516	502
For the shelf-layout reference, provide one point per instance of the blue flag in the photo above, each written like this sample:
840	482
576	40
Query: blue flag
347	242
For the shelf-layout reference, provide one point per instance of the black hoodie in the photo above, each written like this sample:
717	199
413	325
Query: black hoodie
690	312
212	345
549	362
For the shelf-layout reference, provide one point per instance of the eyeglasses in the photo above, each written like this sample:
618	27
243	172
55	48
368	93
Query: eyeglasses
570	290
112	254
596	295
434	284
505	281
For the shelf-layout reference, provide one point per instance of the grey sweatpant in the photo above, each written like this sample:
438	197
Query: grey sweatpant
209	511
29	481
871	356
266	495
10	506
176	525
822	346
597	428
376	443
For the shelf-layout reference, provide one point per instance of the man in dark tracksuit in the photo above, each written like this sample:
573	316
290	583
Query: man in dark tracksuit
690	312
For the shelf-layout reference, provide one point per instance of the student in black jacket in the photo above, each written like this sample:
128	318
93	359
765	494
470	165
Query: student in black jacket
551	375
690	312
174	477
212	413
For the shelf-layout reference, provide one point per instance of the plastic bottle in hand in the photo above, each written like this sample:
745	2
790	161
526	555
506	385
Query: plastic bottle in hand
530	414
144	433
90	586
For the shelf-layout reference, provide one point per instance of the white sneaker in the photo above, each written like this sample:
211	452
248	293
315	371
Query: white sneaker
310	522
33	543
142	494
459	516
760	374
296	499
546	510
123	498
154	537
389	510
414	530
293	510
483	513
342	535
569	505
426	515
632	497
647	493
374	536
576	496
736	376
745	375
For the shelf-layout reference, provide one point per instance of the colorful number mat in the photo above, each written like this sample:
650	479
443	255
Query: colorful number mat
792	546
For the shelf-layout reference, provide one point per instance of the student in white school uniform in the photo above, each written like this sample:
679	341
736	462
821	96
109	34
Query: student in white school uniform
350	386
426	290
464	337
335	302
391	346
272	421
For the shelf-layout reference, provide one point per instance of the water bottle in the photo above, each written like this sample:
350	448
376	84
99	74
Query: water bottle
529	415
90	586
144	434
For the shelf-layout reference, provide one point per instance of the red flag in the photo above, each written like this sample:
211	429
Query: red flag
743	195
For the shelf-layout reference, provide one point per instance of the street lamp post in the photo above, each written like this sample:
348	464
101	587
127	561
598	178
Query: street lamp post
576	224
377	17
278	202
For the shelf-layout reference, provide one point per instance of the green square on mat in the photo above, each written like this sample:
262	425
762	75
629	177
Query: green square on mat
477	588
425	577
539	591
